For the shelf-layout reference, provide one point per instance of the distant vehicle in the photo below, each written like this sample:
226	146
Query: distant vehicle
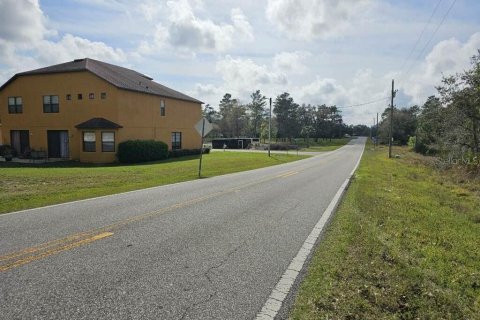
234	143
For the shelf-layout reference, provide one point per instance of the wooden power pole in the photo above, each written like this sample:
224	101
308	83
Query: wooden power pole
390	142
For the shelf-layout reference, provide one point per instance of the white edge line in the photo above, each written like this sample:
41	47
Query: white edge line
274	302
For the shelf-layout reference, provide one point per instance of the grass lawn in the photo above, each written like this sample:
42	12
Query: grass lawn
322	145
28	187
404	244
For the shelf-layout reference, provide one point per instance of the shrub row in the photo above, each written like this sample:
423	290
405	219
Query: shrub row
283	147
6	149
135	151
186	152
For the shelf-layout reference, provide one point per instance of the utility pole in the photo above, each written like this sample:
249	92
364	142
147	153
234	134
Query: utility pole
376	132
269	126
201	150
371	134
390	142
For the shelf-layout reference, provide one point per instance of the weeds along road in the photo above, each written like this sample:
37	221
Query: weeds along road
206	249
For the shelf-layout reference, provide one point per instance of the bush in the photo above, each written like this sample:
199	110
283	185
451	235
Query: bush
283	147
6	149
412	141
187	152
135	151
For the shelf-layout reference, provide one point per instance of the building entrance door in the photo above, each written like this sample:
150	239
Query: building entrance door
20	141
57	144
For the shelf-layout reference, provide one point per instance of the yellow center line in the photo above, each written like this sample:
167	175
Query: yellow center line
288	174
27	255
20	262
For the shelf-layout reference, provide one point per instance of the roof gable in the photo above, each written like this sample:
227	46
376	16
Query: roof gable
120	77
98	123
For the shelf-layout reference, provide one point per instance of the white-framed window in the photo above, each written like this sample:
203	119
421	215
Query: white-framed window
176	140
89	141
108	141
15	105
162	108
50	104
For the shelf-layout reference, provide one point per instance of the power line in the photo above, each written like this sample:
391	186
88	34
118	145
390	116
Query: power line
429	40
364	103
420	36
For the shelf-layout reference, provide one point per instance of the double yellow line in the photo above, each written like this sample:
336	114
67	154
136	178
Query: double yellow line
27	255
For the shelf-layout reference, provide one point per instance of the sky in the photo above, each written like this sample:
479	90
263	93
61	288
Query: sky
342	53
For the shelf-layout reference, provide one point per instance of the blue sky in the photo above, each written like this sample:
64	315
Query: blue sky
320	51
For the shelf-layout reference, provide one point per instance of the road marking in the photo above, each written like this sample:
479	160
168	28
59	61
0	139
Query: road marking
27	255
46	249
289	174
20	260
275	301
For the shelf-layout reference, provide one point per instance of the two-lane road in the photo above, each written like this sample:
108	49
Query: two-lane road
207	249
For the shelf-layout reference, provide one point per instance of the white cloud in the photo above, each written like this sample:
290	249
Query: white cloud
446	58
240	78
21	21
25	40
310	19
71	47
187	33
243	76
243	28
323	91
291	62
150	9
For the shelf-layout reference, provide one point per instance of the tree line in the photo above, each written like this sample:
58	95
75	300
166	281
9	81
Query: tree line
447	124
289	119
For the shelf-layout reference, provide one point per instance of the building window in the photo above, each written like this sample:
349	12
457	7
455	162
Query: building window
91	96
89	141
176	140
79	96
162	108
15	105
108	141
69	96
50	104
103	95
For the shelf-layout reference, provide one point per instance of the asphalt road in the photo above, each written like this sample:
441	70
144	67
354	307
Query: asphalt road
207	249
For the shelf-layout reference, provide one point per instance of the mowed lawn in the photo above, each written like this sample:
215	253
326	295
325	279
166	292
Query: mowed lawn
404	244
29	187
322	145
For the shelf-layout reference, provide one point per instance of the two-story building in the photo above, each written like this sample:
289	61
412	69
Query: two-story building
81	110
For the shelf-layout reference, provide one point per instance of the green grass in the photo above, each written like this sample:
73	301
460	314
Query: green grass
23	187
404	244
322	145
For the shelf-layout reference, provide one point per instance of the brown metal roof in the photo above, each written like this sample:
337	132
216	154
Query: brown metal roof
120	77
98	123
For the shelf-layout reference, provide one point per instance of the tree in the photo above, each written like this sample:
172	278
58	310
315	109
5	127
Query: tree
256	112
285	110
213	117
461	96
264	130
307	131
404	124
233	118
430	127
211	114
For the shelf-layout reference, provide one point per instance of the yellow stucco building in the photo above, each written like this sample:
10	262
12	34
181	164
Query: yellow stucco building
81	110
